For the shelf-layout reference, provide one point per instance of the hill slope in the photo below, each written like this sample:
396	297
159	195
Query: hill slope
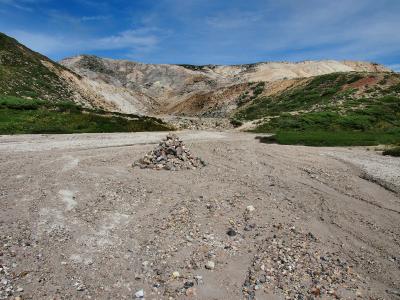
38	95
248	92
188	89
333	109
28	74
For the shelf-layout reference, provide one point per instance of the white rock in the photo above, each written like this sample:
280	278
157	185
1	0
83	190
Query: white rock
139	294
145	263
175	274
250	208
210	265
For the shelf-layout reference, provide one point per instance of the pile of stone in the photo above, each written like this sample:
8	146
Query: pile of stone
170	154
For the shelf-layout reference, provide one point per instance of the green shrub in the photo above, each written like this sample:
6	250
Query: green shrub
36	116
392	152
236	123
328	138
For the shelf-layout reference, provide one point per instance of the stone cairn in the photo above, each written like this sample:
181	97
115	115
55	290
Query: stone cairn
170	154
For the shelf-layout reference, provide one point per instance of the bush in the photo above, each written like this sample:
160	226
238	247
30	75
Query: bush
392	152
19	116
326	138
236	123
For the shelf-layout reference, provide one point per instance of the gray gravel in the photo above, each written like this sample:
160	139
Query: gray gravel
78	222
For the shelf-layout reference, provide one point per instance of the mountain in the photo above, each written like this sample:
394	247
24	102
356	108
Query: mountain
348	108
192	90
30	75
151	89
38	95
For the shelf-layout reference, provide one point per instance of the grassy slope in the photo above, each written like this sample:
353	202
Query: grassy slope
23	74
19	116
334	109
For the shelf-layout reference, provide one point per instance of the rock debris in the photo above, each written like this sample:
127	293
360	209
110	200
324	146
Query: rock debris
170	154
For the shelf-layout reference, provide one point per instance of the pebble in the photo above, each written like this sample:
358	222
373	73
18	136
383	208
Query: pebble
249	227
210	265
188	284
250	208
80	287
175	274
263	279
231	232
199	279
393	292
190	292
139	294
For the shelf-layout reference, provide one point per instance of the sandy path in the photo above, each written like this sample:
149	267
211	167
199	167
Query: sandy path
78	222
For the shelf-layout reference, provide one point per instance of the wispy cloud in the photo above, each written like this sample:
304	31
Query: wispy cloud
18	4
94	18
395	67
143	39
209	31
43	43
234	20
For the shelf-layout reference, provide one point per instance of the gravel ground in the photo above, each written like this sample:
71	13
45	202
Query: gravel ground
258	222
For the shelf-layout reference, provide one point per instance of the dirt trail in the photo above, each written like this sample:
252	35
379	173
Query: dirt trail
78	222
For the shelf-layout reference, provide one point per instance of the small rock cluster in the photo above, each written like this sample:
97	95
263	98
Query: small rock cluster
170	154
291	264
199	123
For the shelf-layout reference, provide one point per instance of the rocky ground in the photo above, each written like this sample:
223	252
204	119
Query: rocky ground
257	222
197	123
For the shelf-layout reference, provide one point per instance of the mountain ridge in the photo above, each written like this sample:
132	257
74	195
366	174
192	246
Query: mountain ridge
160	88
151	89
188	65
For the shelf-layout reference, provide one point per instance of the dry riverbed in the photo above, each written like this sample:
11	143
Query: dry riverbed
259	221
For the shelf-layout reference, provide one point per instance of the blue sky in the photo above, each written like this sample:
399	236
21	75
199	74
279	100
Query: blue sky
208	31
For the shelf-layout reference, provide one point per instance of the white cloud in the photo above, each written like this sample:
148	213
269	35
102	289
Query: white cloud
134	39
43	43
141	40
209	31
395	67
25	5
94	18
233	20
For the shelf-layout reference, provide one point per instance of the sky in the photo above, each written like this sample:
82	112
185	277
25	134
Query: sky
208	31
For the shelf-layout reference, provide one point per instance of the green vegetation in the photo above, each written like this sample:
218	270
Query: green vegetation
258	89
236	123
255	88
318	91
93	63
376	121
193	67
392	152
25	73
380	114
19	116
336	138
327	111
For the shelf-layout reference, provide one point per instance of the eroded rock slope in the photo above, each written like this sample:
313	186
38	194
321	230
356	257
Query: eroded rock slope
165	89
